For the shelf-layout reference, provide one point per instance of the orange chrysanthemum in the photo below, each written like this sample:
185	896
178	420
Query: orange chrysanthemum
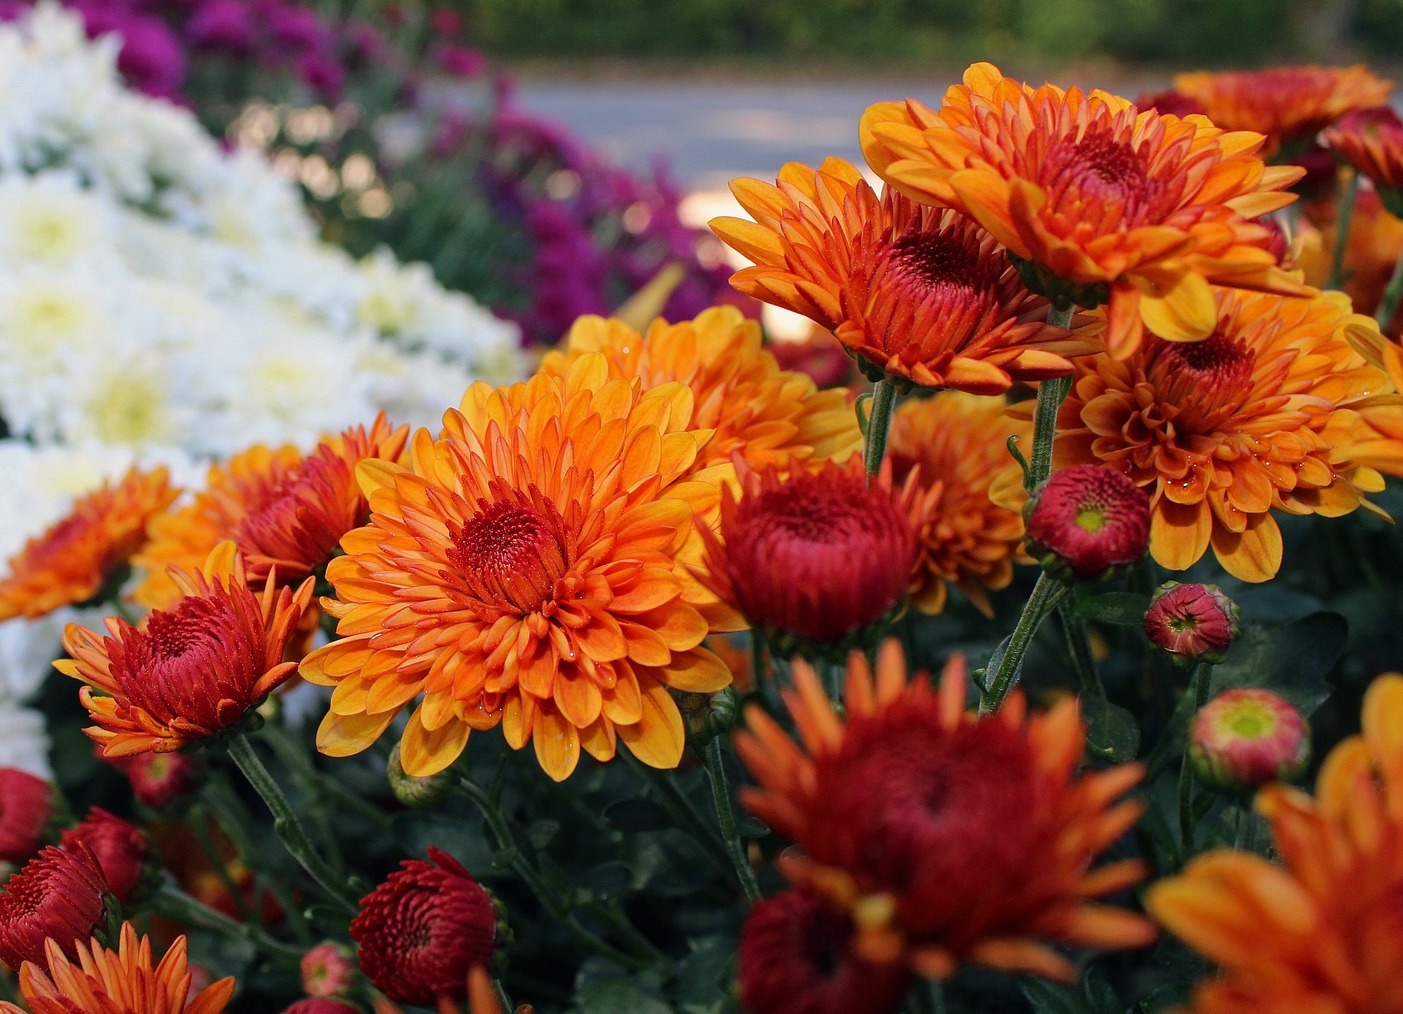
742	397
957	445
917	294
1285	103
71	561
527	570
1374	242
1321	932
1107	203
283	511
184	675
100	981
950	839
1260	417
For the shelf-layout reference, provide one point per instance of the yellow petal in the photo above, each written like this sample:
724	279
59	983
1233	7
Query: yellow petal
1179	309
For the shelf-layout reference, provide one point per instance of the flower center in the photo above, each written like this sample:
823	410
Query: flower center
931	259
1092	517
1206	382
171	636
1103	183
512	551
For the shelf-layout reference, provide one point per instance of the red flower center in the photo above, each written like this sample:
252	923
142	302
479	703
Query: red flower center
1101	182
932	259
1207	382
513	550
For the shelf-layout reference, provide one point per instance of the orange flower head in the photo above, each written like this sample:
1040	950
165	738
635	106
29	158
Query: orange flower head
955	445
1372	249
1103	203
916	294
284	511
1320	931
529	569
741	396
75	557
1371	140
185	674
948	839
100	981
815	560
1258	418
1287	104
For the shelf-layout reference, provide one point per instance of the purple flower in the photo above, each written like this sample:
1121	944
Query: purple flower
221	26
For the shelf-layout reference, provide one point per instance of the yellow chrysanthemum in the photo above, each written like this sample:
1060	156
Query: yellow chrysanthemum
1108	203
1322	931
100	981
916	293
742	397
957	445
70	562
526	570
1261	416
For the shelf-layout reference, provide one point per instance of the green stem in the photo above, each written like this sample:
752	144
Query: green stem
757	659
680	809
287	826
293	756
878	423
1046	594
1079	648
927	997
1051	394
1343	221
725	818
1242	836
1389	304
1198	693
179	907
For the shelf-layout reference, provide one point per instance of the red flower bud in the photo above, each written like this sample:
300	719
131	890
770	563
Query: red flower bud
60	896
26	803
1191	622
1087	521
1243	739
421	930
160	779
122	850
328	970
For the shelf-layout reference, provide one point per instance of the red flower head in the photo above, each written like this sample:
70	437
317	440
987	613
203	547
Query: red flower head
25	805
421	930
1086	520
159	779
184	675
121	849
1246	738
60	896
796	955
321	1005
815	556
1371	140
1191	623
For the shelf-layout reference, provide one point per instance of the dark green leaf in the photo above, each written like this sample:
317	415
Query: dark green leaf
1121	609
637	815
1112	733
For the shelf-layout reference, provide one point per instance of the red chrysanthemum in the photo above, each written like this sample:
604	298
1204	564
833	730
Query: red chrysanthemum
918	294
25	805
949	839
817	556
122	849
189	673
1371	140
60	895
1087	521
422	929
796	957
74	558
1191	623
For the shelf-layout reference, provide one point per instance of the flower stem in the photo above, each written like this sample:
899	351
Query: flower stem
1051	394
287	826
1343	220
725	819
1389	304
179	907
1198	693
683	813
1046	594
928	997
883	400
1079	649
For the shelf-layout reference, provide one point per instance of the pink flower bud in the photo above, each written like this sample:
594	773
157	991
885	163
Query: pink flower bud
1191	622
328	970
1087	521
1243	739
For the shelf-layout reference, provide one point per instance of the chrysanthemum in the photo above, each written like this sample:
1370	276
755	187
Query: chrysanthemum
186	674
71	561
741	396
283	510
814	560
1285	103
1371	140
1372	247
948	839
26	803
1105	202
1321	932
916	293
122	850
100	981
1087	522
527	569
1220	433
58	899
956	444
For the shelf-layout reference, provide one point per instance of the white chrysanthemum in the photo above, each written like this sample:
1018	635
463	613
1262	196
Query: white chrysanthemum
50	220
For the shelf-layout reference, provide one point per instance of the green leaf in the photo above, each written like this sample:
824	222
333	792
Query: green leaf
636	815
1121	609
604	881
1112	733
1165	998
603	987
1094	996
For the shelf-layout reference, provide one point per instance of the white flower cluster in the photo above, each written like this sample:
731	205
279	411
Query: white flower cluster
165	300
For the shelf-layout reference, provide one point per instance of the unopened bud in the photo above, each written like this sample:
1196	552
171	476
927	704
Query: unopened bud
1246	738
418	792
1088	522
1191	623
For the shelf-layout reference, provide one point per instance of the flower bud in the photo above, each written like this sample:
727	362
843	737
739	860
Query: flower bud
1088	522
417	792
26	803
159	780
1191	623
328	970
122	850
1243	739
